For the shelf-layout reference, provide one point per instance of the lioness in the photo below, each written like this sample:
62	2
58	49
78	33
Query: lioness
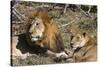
84	46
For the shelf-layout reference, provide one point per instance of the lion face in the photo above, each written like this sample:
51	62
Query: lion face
79	40
36	29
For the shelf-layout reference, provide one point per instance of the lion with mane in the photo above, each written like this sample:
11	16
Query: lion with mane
43	32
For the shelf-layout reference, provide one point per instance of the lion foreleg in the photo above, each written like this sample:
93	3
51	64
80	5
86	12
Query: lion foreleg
58	55
50	53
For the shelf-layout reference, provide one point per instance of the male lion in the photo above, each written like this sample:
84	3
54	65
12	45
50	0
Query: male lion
84	47
43	32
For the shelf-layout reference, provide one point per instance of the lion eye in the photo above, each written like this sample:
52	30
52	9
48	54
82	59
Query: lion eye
37	24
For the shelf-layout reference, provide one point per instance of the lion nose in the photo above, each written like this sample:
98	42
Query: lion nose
29	33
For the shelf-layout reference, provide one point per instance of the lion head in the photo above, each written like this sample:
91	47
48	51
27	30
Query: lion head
36	29
79	40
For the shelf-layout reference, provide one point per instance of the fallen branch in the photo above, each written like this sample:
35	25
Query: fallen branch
23	16
17	13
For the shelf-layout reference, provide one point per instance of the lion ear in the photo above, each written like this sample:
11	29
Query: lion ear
84	34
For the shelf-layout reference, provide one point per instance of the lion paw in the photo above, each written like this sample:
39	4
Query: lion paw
61	55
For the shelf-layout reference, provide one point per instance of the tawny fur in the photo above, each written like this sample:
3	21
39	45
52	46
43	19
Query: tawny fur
88	52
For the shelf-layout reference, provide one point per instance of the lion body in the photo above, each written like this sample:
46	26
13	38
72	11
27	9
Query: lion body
42	36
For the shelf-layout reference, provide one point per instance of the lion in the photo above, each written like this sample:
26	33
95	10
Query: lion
84	47
43	32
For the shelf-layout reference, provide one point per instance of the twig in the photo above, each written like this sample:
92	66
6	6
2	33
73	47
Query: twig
79	7
65	8
89	11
